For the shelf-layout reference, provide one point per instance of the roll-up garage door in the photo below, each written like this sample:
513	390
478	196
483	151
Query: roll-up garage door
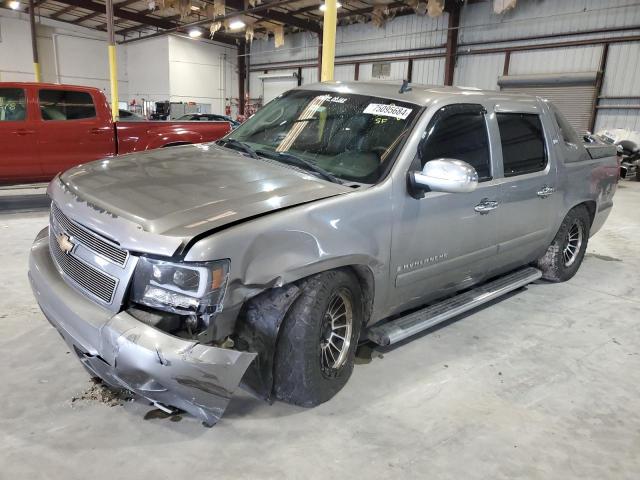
572	93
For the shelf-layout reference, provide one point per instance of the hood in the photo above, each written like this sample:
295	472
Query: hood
185	191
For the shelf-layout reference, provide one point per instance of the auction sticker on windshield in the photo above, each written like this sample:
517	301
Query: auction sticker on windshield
388	110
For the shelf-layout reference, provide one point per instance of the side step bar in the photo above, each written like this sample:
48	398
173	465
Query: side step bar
407	326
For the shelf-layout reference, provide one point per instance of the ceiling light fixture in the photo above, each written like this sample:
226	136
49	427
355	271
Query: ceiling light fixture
323	6
195	33
14	5
237	25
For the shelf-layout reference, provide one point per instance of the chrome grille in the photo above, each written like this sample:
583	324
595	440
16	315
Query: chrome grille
86	277
103	248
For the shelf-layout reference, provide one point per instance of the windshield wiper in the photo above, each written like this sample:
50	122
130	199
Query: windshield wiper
236	144
294	160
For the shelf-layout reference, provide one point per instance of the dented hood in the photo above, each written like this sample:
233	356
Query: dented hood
185	191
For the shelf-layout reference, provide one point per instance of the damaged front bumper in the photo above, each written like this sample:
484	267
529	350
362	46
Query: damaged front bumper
126	353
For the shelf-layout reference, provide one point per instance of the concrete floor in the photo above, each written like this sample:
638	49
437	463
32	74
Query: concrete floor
543	384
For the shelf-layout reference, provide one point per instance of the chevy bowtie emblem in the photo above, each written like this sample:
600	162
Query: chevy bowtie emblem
65	243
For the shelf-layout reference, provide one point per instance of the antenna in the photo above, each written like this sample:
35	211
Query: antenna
405	87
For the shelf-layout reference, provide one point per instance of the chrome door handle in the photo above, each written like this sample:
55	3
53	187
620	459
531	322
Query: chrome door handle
545	191
486	205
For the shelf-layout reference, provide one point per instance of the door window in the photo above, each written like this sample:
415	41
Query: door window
66	105
459	132
522	140
13	107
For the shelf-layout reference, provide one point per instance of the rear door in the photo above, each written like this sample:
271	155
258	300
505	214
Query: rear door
528	197
18	138
72	131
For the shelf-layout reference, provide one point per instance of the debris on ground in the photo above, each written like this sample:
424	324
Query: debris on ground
158	413
366	353
98	392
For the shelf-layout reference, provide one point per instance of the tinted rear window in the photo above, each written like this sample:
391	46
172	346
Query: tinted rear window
522	139
66	105
13	107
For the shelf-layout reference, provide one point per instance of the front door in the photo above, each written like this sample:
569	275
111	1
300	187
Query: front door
18	138
443	242
71	130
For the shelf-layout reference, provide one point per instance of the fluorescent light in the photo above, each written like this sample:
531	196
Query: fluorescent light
237	25
195	8
323	6
195	33
14	5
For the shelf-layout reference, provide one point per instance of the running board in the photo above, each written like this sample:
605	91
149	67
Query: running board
407	326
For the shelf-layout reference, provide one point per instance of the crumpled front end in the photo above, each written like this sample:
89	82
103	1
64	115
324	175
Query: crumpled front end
126	353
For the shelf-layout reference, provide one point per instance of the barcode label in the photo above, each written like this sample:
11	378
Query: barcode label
388	110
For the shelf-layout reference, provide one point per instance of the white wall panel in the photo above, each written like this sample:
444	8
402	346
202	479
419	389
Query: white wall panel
344	73
84	61
72	55
560	60
402	33
201	72
15	49
428	71
546	17
297	47
618	118
148	66
310	75
480	71
622	75
398	72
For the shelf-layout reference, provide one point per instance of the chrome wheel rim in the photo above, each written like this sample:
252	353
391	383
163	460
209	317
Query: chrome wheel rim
572	244
335	333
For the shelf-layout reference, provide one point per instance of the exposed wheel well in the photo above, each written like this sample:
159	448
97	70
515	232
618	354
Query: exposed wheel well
591	208
367	284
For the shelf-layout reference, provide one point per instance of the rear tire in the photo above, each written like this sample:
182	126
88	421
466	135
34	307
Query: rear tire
312	363
565	254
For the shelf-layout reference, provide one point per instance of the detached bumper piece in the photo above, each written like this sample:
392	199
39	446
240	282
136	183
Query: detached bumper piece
125	353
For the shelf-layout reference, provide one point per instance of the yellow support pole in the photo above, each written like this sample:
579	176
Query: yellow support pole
329	40
37	72
113	78
113	68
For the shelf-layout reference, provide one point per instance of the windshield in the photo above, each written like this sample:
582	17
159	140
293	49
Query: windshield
352	137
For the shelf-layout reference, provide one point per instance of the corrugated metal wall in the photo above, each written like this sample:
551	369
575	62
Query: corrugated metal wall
481	71
560	60
545	17
412	35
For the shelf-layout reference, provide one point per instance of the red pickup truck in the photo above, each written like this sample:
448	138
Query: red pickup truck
47	128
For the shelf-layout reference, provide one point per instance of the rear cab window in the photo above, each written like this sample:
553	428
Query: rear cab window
523	143
13	105
66	105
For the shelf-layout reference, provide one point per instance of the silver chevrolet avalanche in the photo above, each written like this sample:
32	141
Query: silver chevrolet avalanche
337	214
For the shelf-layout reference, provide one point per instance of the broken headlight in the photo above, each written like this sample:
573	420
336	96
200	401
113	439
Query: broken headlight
184	288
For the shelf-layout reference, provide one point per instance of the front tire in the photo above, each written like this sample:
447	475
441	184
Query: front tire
565	254
318	339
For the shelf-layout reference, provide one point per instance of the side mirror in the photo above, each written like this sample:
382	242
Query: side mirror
443	175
